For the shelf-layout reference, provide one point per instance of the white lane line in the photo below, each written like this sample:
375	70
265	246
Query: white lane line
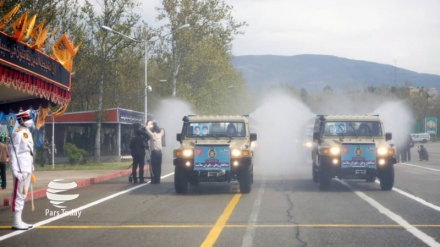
250	231
69	212
426	168
395	217
415	198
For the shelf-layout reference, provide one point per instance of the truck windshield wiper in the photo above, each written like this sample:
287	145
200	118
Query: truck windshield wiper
369	130
351	125
342	130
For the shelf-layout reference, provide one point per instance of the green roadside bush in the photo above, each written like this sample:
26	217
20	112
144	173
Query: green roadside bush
74	154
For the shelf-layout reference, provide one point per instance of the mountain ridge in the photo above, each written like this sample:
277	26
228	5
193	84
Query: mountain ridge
314	72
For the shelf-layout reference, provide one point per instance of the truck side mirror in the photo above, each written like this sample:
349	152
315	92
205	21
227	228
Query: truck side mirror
316	136
179	137
388	136
253	137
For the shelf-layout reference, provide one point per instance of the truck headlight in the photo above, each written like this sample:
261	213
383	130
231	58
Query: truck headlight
183	153
382	151
308	144
335	150
187	153
235	152
332	150
391	152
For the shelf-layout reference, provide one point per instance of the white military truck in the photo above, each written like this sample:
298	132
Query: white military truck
214	148
352	147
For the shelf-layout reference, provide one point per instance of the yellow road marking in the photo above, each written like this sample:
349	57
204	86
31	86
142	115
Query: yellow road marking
231	226
221	222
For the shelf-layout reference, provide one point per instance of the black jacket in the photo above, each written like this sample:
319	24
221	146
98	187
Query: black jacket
137	146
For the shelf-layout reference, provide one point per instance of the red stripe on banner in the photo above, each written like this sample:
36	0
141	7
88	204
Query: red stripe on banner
14	195
33	86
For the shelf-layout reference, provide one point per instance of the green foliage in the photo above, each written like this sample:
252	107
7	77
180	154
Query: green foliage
194	61
108	58
74	155
39	155
197	61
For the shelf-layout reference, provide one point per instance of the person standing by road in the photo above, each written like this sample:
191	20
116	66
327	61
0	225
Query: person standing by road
138	146
4	159
407	149
21	151
156	135
46	153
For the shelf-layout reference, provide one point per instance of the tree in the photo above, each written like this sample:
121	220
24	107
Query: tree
59	14
46	9
327	89
104	48
199	58
304	95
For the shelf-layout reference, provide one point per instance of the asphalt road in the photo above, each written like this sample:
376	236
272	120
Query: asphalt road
283	210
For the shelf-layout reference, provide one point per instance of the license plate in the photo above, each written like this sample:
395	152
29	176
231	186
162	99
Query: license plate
360	172
212	174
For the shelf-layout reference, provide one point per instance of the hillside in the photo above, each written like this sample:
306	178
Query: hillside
314	72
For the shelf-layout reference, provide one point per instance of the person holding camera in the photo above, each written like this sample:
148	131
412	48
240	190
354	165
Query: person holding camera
138	146
155	133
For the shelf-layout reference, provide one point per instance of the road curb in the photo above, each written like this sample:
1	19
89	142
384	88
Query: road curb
80	183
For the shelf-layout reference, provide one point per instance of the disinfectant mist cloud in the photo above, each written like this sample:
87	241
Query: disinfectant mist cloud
397	119
280	123
169	115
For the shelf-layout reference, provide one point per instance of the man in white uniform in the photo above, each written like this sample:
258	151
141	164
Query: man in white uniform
21	151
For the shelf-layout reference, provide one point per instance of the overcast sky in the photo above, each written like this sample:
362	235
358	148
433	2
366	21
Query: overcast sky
404	33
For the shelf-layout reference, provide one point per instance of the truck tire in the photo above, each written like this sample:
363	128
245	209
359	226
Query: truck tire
387	179
252	174
180	181
324	178
245	180
314	173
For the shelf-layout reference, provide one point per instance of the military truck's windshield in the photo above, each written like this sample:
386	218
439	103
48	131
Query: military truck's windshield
350	128
215	129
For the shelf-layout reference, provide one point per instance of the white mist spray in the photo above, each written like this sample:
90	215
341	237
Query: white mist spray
169	116
280	122
397	119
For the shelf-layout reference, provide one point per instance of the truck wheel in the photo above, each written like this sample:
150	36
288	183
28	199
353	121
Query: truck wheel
314	174
180	181
324	178
252	174
387	179
245	180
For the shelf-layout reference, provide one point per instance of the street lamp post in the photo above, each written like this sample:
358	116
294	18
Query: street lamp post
53	142
145	42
